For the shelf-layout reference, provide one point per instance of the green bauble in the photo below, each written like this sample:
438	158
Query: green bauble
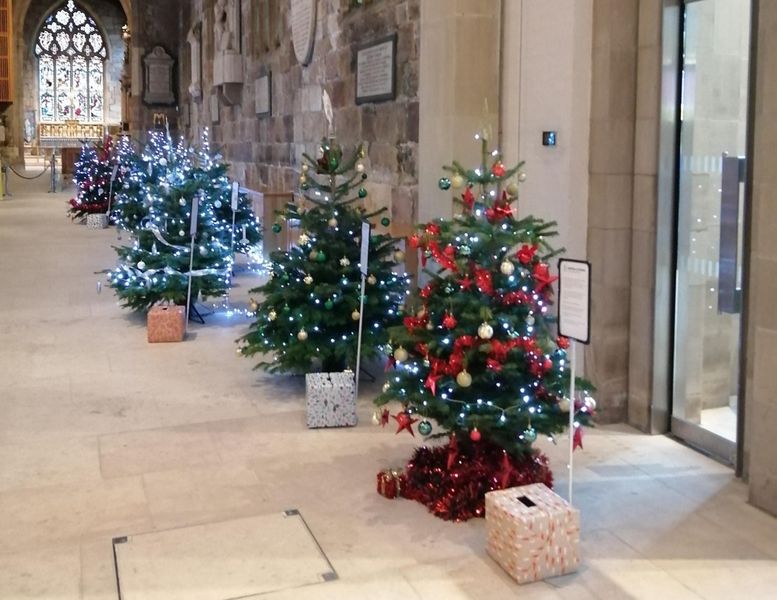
465	250
320	256
424	427
385	221
362	193
530	434
305	187
276	228
329	305
286	308
444	183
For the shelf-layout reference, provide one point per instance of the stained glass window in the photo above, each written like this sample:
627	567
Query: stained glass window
71	60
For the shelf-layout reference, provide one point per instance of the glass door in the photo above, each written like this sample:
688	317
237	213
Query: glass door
713	140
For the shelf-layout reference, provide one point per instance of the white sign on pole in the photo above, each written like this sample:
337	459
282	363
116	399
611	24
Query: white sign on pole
195	209
365	255
114	173
235	194
574	299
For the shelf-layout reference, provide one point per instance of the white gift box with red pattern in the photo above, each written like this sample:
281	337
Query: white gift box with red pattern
532	532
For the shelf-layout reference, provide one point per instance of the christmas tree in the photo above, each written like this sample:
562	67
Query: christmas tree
157	265
309	315
127	207
92	178
478	354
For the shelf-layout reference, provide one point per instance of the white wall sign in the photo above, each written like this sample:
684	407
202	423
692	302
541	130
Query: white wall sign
375	70
574	300
263	95
303	29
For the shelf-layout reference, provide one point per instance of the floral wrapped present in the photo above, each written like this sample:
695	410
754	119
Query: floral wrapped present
532	532
331	399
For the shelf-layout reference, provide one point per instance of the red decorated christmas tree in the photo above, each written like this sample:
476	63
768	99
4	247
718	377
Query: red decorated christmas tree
479	354
92	177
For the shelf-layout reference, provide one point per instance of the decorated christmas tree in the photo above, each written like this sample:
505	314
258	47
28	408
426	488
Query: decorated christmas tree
127	207
308	317
478	354
157	265
92	177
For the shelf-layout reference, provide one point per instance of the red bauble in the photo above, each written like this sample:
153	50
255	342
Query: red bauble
498	170
449	321
474	435
563	342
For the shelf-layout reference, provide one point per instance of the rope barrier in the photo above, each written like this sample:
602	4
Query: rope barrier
46	168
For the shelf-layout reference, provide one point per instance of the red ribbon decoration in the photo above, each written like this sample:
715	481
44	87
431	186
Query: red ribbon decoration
542	276
526	254
468	199
483	281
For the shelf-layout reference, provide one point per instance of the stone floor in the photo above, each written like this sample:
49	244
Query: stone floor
102	434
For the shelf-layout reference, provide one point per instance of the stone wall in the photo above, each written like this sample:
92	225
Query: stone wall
761	357
265	151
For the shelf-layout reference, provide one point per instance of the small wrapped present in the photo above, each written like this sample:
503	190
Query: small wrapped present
532	532
391	483
97	221
166	323
331	399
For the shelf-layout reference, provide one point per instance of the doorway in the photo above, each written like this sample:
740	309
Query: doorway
710	169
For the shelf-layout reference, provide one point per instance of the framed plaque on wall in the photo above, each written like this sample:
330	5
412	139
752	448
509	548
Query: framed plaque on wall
376	69
158	77
263	95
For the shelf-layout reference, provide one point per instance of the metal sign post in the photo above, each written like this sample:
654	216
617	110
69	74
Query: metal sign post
363	267
574	322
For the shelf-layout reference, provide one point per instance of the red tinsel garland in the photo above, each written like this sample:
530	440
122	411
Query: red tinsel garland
452	480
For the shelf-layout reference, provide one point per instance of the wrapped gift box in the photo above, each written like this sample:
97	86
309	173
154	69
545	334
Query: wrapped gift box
532	532
97	221
391	483
331	399
166	323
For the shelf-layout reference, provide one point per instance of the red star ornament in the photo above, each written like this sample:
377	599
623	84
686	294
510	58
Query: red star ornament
431	383
404	421
384	417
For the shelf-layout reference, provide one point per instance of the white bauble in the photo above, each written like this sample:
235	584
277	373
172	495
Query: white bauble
564	404
400	354
302	335
485	331
399	256
100	191
521	176
530	320
303	239
163	162
181	232
332	222
386	387
507	268
182	201
360	167
344	262
217	204
308	280
355	315
590	403
430	326
464	379
141	265
372	280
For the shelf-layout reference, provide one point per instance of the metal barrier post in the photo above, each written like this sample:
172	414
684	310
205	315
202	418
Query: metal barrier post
53	189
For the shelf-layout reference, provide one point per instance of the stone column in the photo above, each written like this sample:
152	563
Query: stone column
761	393
459	70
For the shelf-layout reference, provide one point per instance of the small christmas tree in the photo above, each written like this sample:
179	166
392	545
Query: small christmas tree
92	178
156	266
128	208
478	354
309	314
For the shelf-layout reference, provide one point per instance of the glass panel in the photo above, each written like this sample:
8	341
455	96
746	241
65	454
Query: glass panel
714	124
96	89
64	92
46	85
80	88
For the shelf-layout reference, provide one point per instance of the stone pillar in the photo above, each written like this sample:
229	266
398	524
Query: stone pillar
611	185
459	73
761	394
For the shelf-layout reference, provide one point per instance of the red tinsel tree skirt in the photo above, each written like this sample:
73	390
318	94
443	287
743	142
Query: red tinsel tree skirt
452	481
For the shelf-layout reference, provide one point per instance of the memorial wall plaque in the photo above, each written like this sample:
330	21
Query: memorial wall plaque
303	29
214	108
376	70
158	77
263	95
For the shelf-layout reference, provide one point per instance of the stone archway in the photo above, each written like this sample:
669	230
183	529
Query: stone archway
27	18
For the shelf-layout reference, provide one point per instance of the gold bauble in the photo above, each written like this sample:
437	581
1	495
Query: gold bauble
400	354
464	379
